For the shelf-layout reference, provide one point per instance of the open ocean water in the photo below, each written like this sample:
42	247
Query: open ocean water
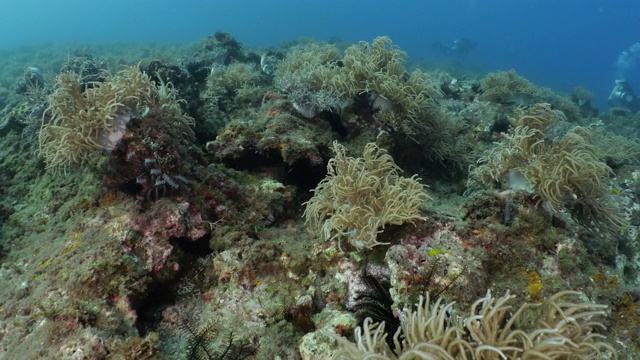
559	44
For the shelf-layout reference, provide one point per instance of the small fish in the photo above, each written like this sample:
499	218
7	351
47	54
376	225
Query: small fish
435	252
520	99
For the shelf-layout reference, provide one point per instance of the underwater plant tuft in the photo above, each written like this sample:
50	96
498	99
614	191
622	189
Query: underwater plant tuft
84	118
360	196
544	154
559	328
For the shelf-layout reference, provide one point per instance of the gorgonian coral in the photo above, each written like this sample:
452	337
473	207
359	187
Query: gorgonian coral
84	117
360	196
370	79
303	74
544	154
317	78
559	328
234	85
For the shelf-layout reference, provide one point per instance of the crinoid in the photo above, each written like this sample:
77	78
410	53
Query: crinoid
370	298
371	301
155	181
207	342
150	161
432	277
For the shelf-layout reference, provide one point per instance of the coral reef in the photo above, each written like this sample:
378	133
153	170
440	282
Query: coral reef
137	235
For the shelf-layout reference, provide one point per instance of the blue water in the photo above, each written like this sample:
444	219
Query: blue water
554	43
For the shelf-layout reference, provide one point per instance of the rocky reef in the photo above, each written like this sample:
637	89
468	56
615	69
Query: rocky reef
230	203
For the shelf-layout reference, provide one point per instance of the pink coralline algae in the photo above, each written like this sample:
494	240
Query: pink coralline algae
163	222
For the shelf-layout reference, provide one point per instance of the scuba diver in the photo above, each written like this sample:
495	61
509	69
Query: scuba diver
459	47
623	96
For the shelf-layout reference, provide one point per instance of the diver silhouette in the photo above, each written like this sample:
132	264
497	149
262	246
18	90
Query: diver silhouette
623	96
459	47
